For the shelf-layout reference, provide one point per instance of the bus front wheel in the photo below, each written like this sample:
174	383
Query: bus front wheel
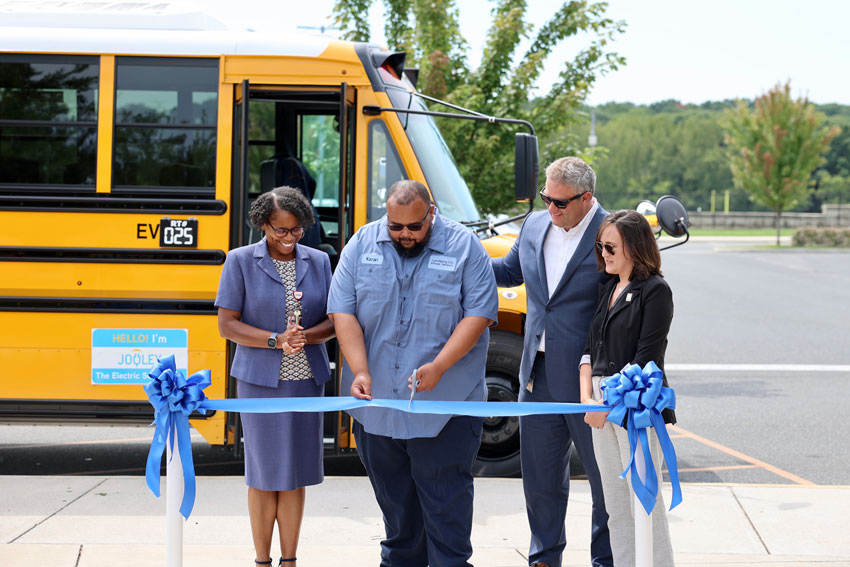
499	452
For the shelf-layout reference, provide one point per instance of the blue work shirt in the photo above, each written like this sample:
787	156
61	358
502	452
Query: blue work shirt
408	309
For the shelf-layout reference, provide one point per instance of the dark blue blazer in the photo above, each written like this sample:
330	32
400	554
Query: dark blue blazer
251	285
566	316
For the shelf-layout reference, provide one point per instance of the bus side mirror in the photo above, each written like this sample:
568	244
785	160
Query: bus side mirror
673	218
525	162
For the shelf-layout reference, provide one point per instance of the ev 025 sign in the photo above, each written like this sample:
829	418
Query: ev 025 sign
180	233
125	356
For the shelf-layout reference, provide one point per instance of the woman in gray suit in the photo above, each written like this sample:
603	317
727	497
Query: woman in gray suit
272	302
629	327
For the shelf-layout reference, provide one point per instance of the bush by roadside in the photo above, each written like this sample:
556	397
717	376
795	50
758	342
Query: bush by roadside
821	236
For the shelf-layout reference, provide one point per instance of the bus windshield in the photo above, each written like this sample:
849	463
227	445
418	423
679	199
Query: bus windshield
450	191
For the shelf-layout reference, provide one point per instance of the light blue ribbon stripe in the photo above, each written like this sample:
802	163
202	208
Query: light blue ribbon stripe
475	409
635	397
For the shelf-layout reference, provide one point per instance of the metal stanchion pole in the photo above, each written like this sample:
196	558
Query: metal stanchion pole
643	522
173	499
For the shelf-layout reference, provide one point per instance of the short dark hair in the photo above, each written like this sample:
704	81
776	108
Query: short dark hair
638	240
407	190
282	198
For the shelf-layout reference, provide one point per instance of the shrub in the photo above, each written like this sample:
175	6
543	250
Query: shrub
822	236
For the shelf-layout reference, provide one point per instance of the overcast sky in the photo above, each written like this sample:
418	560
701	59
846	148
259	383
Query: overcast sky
680	49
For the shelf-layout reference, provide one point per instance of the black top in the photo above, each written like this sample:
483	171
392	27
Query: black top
634	330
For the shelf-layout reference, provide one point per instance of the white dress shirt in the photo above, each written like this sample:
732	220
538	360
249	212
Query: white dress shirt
558	249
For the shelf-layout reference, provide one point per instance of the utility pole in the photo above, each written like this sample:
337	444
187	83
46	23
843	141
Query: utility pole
591	140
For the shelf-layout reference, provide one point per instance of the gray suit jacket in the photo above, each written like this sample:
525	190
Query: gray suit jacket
566	315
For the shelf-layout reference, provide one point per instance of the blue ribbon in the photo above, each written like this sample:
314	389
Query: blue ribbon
637	396
173	398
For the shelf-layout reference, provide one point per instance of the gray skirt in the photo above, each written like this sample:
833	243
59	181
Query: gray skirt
283	451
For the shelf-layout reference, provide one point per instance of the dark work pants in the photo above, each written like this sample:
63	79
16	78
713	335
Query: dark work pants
545	444
424	488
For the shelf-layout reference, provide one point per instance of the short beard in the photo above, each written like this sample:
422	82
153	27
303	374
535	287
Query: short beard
414	250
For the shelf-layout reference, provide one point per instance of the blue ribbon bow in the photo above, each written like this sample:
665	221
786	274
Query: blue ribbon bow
173	398
637	396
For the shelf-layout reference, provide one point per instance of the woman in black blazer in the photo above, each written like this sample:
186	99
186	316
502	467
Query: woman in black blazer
629	327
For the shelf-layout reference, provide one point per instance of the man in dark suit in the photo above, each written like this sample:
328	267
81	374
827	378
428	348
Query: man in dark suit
554	256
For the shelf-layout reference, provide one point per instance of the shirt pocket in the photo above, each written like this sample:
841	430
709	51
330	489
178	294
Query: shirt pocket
442	301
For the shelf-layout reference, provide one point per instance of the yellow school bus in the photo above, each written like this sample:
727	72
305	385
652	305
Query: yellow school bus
130	153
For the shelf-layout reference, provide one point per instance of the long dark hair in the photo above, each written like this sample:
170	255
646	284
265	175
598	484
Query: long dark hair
638	240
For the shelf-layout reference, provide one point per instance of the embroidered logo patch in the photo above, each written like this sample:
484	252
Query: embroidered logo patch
444	263
372	259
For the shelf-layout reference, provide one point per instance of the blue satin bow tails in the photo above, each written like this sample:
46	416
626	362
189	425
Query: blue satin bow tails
637	396
173	398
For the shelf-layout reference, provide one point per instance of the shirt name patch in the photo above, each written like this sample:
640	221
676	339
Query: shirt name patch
372	259
444	263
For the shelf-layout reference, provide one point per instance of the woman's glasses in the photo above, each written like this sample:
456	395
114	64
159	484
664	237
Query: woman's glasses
294	231
412	227
607	247
560	203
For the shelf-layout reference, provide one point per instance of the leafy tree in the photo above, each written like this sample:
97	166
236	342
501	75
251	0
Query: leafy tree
502	83
775	146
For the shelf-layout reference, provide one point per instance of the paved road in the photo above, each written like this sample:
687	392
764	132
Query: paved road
734	304
738	304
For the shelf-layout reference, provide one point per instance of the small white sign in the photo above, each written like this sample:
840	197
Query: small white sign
444	263
372	259
125	356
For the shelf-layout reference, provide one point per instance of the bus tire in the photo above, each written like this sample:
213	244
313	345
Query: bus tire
499	452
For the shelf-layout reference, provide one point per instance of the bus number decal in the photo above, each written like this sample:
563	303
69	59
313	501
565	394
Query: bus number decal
179	233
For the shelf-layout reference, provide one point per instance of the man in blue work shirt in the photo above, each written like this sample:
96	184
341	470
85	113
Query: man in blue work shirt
415	291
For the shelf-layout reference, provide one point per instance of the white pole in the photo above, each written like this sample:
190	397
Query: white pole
173	499
643	522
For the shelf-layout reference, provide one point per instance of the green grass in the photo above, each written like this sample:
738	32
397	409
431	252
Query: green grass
740	232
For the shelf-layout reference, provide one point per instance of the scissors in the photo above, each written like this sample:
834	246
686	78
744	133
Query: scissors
413	383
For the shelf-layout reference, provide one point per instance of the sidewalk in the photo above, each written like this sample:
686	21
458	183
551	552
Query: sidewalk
84	521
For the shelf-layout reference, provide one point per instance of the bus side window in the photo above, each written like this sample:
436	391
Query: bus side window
165	125
385	168
48	106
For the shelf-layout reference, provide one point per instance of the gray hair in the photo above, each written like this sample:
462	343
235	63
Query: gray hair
406	191
572	172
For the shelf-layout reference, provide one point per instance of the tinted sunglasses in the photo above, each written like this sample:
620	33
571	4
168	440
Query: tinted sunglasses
607	247
413	227
560	203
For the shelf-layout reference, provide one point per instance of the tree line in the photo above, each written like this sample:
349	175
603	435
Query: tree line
646	151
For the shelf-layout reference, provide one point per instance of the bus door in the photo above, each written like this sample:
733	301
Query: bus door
302	137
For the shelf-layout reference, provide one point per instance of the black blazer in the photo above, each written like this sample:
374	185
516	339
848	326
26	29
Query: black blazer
633	331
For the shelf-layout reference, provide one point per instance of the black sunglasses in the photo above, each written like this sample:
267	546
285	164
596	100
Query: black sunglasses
413	227
560	203
607	247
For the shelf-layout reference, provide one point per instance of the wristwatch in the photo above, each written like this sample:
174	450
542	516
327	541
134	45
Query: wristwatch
272	341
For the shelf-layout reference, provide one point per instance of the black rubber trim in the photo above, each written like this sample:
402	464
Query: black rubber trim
112	255
83	410
107	203
108	305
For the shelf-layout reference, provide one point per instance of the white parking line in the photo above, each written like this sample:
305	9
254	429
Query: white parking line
760	367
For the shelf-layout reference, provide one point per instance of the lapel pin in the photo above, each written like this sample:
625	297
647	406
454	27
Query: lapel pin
297	294
629	297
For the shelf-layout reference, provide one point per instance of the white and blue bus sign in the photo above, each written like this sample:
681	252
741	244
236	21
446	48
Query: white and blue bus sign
125	356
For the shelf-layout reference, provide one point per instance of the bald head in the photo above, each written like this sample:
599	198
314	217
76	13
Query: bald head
406	191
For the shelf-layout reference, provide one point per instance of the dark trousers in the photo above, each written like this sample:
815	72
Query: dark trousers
424	488
546	443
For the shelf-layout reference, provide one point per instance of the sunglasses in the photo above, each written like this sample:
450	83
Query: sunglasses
294	231
412	227
606	247
560	203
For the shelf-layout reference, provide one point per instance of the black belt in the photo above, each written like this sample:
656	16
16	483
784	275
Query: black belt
541	354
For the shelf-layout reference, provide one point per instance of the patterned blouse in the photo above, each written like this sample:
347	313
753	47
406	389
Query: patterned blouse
296	366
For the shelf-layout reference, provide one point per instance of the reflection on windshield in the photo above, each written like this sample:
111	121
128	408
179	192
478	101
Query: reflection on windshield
450	190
